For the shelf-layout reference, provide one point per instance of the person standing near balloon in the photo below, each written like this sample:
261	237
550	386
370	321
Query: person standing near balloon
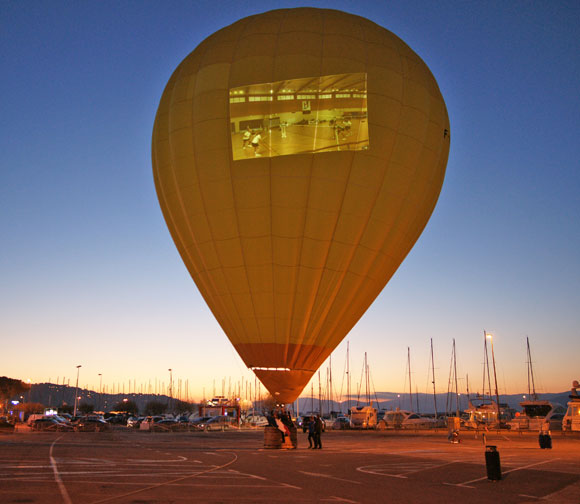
311	433
282	428
318	433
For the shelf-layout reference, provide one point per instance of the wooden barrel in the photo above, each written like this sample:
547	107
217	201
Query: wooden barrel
272	438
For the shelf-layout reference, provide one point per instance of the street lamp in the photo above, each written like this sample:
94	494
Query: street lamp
101	390
170	386
490	337
77	391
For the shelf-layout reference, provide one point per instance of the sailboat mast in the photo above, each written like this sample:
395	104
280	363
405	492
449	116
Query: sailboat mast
531	393
319	395
330	385
495	378
410	388
367	388
455	373
433	376
486	367
348	375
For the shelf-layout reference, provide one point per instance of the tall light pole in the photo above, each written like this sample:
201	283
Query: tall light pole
77	392
101	390
488	335
170	386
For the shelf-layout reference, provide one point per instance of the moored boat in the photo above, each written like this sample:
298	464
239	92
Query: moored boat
571	421
536	415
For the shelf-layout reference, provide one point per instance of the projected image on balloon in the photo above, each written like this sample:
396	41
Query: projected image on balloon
298	116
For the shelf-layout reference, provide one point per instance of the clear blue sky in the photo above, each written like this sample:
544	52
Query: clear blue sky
89	274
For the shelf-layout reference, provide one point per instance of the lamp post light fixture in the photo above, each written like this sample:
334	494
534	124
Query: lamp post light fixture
101	391
170	386
76	392
490	337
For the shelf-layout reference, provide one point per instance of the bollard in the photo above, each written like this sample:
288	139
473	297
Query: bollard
492	463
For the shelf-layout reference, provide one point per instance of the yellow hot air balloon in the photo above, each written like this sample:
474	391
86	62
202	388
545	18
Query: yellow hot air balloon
298	155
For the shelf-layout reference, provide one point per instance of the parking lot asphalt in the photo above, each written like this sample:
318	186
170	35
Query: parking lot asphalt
125	466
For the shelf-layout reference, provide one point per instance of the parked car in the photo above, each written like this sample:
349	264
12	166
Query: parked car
50	424
256	420
134	422
165	425
403	419
200	423
6	425
91	425
341	423
221	422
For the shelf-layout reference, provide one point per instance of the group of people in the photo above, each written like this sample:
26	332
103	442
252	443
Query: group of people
315	432
282	420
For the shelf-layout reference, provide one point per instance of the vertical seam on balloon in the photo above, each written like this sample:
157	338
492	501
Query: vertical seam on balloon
373	296
174	183
165	207
338	283
215	299
415	234
276	333
348	305
303	323
230	152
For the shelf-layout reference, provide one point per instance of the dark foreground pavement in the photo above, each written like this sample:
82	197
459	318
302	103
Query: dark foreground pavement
152	468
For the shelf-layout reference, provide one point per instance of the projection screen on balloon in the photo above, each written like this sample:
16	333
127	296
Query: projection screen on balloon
298	116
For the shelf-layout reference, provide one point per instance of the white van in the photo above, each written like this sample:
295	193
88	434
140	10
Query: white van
363	417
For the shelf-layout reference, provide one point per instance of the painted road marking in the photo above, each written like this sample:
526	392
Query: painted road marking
401	469
320	475
333	498
466	483
61	487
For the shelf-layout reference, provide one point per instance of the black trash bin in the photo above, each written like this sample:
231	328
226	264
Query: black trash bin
492	463
545	440
542	440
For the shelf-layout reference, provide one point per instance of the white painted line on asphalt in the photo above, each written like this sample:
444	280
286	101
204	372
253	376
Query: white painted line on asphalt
431	467
328	476
288	485
333	498
531	497
62	488
458	485
465	483
530	465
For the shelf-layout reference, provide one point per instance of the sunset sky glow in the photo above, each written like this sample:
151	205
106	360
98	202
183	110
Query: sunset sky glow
90	275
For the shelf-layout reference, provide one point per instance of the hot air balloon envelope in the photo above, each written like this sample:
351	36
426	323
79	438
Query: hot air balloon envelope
298	155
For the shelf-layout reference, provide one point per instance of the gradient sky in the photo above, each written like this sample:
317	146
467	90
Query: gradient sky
89	274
